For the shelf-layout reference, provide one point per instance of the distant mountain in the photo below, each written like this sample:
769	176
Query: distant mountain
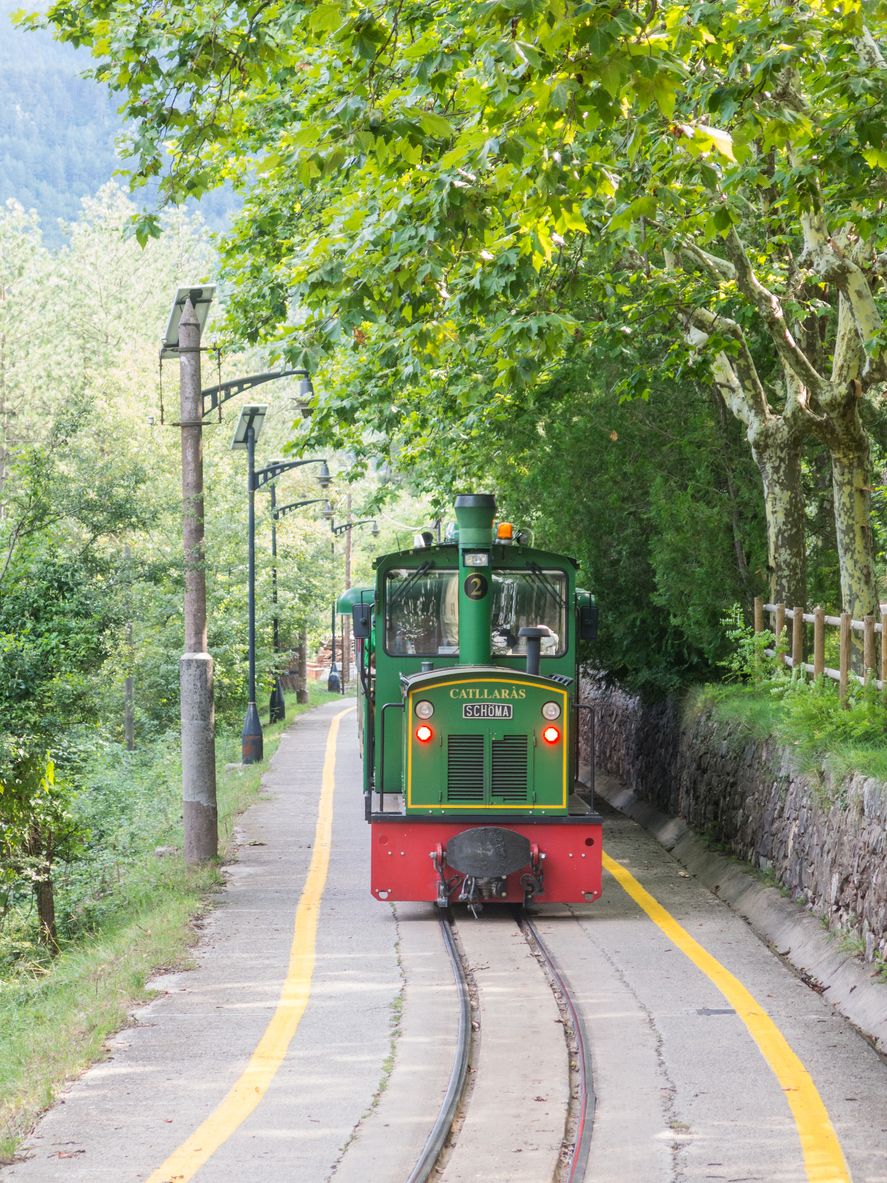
57	129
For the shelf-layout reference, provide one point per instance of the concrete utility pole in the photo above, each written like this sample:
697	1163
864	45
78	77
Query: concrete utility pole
196	665
129	732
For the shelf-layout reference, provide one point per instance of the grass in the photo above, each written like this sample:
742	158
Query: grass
54	1020
809	720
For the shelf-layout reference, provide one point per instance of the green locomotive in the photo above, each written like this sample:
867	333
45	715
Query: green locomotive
468	714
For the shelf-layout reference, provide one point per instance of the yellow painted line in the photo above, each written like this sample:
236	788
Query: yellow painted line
253	1083
823	1157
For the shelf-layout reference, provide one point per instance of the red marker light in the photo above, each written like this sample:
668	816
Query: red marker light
551	734
424	733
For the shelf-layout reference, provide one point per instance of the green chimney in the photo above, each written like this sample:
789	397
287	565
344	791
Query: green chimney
474	514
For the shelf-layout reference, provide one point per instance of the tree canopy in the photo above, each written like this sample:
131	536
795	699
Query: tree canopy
445	199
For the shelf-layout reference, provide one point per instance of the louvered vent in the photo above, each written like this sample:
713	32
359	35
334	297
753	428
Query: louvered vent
510	769
465	768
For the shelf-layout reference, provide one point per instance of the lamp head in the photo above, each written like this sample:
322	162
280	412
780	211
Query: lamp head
328	511
306	391
324	479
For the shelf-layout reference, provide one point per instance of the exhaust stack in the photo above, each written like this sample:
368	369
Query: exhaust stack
474	514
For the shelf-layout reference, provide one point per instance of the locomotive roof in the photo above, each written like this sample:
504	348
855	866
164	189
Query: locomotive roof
500	554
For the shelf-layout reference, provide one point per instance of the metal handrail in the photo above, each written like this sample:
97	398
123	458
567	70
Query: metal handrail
398	706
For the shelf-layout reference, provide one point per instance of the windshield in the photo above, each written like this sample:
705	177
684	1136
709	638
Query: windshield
529	599
422	611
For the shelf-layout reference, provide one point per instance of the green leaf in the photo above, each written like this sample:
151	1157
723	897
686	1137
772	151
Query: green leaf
435	125
325	18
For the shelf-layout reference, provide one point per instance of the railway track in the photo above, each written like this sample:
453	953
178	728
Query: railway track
487	962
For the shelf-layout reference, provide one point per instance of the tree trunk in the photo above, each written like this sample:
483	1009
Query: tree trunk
842	431
738	548
43	889
40	859
777	453
850	483
129	731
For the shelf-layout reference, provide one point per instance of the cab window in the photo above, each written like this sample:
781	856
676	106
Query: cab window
422	612
524	599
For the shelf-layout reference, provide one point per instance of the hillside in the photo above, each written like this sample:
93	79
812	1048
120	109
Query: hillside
57	129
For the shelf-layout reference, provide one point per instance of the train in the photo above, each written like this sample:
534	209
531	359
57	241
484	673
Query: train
468	716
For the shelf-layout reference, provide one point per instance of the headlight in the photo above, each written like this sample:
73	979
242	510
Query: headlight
424	709
551	710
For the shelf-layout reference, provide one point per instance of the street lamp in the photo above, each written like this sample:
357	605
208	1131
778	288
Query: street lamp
334	683
249	425
199	810
182	339
277	705
245	436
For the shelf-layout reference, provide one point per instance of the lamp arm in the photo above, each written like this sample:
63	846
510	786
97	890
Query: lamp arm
351	525
216	396
283	510
264	475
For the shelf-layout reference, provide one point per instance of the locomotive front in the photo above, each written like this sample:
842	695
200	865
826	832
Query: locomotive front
470	698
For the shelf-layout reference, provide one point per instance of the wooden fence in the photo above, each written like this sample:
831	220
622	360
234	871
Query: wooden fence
872	658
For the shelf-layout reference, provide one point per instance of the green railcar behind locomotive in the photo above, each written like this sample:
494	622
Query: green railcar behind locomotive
467	652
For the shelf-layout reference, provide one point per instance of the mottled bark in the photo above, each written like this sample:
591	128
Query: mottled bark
839	426
735	525
777	453
852	493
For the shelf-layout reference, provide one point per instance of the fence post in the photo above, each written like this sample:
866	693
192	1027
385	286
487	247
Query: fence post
777	632
869	668
759	614
818	642
845	656
798	640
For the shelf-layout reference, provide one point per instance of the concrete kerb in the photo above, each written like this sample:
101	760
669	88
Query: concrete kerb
792	932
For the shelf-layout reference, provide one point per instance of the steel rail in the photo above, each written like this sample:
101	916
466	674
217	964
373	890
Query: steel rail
585	1090
434	1144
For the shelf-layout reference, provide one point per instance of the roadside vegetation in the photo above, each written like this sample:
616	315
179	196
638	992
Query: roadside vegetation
769	700
93	893
126	909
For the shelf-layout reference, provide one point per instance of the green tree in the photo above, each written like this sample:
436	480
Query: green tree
424	184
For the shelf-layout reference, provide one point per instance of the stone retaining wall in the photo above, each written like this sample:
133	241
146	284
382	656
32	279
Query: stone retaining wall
824	842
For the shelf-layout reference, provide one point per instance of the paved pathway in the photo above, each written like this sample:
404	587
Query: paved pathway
683	1092
167	1073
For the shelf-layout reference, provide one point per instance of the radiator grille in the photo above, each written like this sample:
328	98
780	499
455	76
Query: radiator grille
509	777
465	768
